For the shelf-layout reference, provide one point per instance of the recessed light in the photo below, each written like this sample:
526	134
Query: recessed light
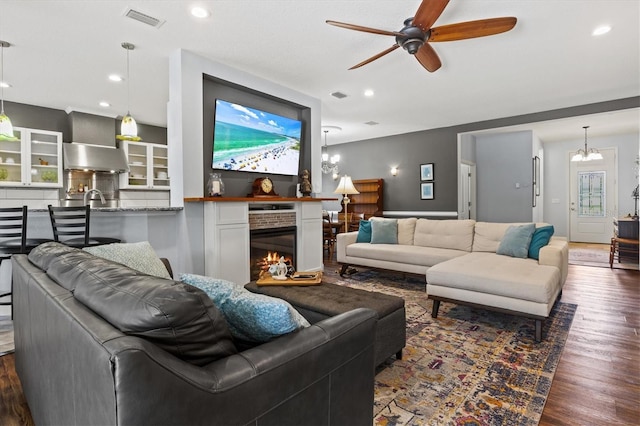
601	30
105	104
199	12
368	93
115	77
4	84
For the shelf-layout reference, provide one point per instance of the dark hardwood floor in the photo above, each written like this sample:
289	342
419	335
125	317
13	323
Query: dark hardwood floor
598	378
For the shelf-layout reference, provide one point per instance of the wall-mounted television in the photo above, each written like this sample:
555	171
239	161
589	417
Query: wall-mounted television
251	140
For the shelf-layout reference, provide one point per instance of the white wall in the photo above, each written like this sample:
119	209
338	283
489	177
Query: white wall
556	176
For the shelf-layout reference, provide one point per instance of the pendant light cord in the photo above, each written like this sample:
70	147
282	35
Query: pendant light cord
2	78
128	85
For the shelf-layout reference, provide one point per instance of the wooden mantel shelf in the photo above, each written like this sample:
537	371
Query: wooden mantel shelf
255	199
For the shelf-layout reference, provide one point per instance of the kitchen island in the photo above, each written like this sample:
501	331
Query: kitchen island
158	225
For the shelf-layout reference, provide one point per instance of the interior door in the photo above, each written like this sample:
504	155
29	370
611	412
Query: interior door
593	200
466	208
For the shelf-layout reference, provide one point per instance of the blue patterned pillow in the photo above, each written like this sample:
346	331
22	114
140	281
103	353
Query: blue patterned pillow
516	240
251	317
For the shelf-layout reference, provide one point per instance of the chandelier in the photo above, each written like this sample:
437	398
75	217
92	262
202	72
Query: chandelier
329	164
586	154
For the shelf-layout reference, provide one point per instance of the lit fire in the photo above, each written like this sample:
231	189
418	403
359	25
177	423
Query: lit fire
270	259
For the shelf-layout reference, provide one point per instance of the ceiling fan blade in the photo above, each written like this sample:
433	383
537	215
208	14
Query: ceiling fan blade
428	12
428	58
472	29
373	58
364	29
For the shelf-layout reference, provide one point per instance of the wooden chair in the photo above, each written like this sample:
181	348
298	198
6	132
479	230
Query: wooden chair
328	238
13	240
73	225
630	247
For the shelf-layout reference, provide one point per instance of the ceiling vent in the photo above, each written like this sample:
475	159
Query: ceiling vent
371	123
338	95
144	18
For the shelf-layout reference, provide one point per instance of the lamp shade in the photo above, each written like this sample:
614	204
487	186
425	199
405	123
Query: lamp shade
346	186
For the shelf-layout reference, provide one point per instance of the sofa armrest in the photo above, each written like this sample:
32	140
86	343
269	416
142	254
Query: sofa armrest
275	380
556	253
342	241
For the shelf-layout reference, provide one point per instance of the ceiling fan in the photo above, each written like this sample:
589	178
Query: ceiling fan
417	33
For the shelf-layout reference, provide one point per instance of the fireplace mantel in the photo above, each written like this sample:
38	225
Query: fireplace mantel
227	233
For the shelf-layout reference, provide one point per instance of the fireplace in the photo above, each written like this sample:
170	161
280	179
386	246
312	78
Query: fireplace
267	245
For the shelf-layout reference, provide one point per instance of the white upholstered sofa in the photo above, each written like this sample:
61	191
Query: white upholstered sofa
461	263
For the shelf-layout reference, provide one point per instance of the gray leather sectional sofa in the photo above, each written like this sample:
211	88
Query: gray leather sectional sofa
99	343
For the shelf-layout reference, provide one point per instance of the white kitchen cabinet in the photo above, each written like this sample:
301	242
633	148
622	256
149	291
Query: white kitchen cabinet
148	166
34	160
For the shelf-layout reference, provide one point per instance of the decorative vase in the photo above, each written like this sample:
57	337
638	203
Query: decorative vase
215	186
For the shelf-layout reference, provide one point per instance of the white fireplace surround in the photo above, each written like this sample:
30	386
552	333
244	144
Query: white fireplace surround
227	236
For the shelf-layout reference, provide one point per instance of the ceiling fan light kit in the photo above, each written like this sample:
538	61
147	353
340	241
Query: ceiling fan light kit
417	33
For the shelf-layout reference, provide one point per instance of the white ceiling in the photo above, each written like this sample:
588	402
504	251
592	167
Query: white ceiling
63	51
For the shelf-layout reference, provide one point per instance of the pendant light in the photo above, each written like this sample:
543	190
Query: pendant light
128	128
586	154
329	165
6	128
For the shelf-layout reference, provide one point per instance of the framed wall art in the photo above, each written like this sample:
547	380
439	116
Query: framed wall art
426	191
426	171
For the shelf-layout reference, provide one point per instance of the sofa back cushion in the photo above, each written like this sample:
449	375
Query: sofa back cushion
488	235
175	316
447	234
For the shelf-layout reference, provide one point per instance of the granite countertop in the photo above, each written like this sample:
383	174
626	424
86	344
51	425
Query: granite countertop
124	209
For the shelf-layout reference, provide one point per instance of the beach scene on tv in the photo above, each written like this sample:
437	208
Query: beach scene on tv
248	139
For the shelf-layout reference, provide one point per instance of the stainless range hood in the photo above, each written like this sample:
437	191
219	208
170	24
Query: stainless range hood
79	156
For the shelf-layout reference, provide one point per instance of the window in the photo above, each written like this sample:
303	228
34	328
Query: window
591	194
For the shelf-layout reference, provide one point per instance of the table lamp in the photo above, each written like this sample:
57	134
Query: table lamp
346	188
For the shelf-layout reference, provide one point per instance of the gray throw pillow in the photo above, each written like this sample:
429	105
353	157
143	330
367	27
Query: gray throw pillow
516	240
384	231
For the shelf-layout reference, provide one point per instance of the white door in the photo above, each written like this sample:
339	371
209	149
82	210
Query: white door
467	205
593	201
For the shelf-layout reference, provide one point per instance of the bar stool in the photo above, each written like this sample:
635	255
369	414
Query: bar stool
13	240
74	222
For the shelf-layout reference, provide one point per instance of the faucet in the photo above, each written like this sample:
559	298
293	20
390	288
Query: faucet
97	191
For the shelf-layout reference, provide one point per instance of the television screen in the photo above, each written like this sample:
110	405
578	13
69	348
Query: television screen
248	139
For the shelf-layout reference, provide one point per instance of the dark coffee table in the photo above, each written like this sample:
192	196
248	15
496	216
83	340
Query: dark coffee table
322	301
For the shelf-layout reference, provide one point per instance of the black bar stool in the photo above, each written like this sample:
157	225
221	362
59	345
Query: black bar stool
13	240
73	225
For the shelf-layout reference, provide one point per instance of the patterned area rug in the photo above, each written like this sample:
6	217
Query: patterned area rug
466	367
596	257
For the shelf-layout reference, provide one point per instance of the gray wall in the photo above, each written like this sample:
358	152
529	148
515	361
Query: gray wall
42	118
373	158
504	179
238	183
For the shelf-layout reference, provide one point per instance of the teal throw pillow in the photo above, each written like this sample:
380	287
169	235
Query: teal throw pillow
364	232
251	317
516	240
540	238
384	231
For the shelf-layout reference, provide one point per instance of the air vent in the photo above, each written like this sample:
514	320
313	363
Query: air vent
338	95
144	18
371	123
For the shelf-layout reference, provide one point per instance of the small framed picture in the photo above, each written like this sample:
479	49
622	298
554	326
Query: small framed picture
426	191
426	171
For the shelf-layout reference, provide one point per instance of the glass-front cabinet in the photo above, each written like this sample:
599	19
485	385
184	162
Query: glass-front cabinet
148	166
34	159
